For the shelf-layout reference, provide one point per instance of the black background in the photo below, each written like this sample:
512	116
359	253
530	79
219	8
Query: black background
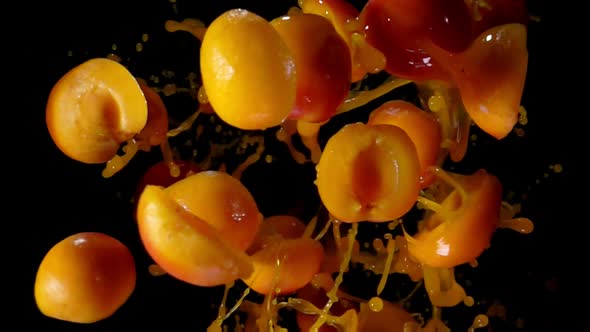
537	277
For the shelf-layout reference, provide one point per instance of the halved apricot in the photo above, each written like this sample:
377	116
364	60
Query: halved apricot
422	127
285	265
323	65
85	278
94	108
223	202
343	16
369	173
184	245
156	127
283	260
490	75
462	224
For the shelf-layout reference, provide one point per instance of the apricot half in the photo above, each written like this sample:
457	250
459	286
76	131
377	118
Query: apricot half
323	65
85	278
223	202
156	127
421	126
462	225
284	260
490	75
369	173
94	108
185	246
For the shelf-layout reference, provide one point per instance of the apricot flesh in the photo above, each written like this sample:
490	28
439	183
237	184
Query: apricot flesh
369	173
94	108
422	127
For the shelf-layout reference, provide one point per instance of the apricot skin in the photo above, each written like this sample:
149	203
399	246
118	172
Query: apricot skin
299	258
323	65
464	229
223	202
185	246
85	278
248	71
421	126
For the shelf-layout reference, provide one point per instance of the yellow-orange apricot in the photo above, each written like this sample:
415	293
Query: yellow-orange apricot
323	65
85	278
156	127
247	70
285	265
223	202
94	108
369	173
283	259
490	75
343	16
185	246
462	225
421	126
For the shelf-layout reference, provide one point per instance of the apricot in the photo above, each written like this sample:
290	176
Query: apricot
156	127
390	28
368	173
223	202
185	246
85	278
462	224
343	16
283	260
285	265
422	127
490	75
323	65
247	70
94	108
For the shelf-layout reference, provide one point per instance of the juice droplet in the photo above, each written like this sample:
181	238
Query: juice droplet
468	301
139	47
521	225
392	225
522	116
202	96
479	322
557	168
155	270
376	304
